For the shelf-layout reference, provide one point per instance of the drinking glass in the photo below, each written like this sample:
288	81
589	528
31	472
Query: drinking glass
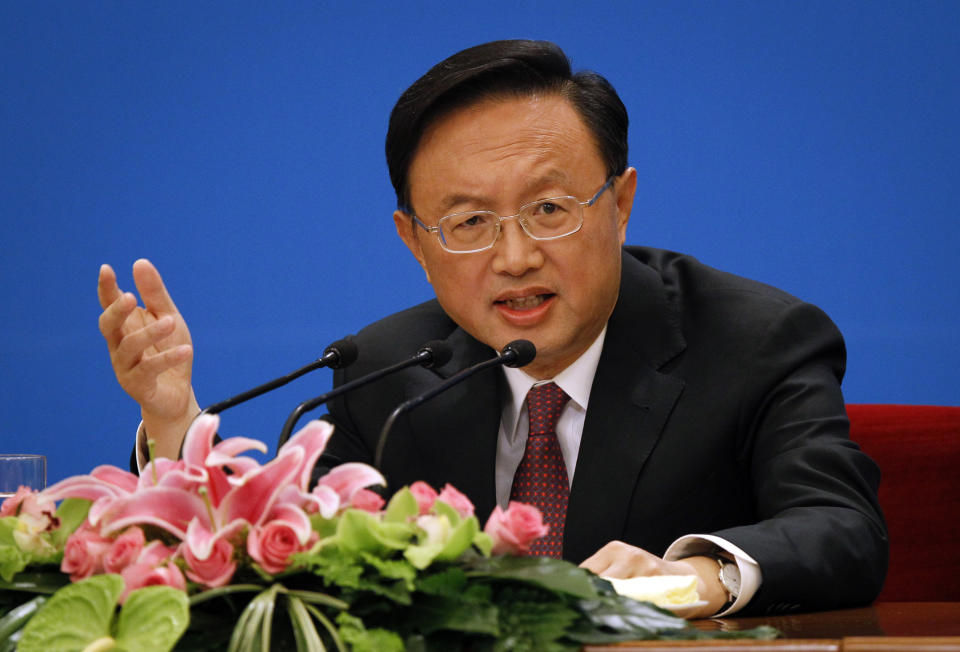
18	470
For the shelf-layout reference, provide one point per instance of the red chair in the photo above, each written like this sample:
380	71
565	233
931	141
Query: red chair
918	450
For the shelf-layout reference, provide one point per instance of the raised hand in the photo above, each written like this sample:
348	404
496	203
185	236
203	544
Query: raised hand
151	353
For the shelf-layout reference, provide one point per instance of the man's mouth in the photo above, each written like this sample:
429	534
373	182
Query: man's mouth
525	303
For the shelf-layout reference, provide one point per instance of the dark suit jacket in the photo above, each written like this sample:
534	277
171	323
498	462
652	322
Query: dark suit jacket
716	408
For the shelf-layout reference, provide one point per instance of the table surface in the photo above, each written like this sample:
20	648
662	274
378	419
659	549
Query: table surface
884	626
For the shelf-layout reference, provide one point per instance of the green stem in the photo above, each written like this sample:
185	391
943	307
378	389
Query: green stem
313	597
151	451
334	633
224	590
205	494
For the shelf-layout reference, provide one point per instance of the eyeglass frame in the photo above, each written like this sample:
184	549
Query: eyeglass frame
500	218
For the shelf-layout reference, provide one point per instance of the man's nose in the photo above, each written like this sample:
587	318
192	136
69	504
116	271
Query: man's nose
515	252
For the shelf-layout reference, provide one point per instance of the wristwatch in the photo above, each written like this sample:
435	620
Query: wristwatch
729	576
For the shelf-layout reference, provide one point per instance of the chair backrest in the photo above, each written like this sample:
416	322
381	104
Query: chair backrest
918	450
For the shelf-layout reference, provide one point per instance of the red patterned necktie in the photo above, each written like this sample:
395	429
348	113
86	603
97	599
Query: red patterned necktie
541	478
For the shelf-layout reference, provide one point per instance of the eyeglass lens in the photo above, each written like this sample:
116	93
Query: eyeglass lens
544	219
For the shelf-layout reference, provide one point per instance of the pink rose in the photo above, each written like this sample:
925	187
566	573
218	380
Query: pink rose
140	574
514	530
83	554
155	553
124	551
215	570
425	495
368	501
272	544
457	500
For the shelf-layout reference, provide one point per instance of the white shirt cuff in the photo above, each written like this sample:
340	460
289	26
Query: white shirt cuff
692	545
140	445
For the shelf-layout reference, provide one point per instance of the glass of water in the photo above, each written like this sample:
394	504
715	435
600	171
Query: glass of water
21	470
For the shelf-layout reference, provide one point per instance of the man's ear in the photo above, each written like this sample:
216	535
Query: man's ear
626	186
407	232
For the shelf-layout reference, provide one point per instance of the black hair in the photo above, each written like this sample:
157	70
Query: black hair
503	68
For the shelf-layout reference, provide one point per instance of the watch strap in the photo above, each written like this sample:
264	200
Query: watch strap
731	598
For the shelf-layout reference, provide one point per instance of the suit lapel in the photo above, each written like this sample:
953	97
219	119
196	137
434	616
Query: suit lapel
630	402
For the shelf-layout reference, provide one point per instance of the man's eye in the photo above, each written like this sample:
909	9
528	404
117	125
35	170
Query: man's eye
548	208
471	221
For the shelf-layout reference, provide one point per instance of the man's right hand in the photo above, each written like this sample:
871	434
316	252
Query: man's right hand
151	353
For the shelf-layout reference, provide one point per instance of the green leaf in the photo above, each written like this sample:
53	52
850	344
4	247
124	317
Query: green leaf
361	531
450	583
74	617
221	591
551	574
325	527
305	632
530	622
423	555
361	639
48	582
457	541
394	569
441	508
395	535
402	507
335	567
7	525
12	561
461	539
328	625
72	512
483	543
249	628
315	597
630	619
153	619
430	614
17	617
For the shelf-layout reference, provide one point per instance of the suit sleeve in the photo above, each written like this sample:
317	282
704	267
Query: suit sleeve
820	540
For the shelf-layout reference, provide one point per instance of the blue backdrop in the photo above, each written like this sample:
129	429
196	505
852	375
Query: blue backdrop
813	145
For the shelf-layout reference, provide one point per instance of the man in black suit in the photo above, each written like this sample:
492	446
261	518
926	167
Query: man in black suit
705	430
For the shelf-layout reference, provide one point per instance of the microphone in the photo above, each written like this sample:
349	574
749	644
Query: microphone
517	353
435	353
340	354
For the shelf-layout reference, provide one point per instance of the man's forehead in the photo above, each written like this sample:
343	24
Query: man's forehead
527	142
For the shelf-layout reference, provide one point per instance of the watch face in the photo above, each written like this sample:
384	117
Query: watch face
730	578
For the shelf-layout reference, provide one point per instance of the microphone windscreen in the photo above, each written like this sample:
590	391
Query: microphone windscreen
520	352
344	353
440	353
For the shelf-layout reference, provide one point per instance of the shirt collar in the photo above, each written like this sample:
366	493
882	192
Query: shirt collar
576	380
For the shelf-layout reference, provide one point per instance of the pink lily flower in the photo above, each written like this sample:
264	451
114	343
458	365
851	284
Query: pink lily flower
103	482
347	479
215	492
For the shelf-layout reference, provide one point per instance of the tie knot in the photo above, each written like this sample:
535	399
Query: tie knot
544	405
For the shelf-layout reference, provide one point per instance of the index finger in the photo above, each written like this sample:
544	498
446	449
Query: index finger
107	289
153	292
601	560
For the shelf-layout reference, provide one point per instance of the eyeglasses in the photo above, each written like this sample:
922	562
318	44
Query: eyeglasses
543	219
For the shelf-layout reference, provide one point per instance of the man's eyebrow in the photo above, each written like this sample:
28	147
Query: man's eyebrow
460	198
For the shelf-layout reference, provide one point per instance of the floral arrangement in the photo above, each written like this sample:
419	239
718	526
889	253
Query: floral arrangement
210	551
